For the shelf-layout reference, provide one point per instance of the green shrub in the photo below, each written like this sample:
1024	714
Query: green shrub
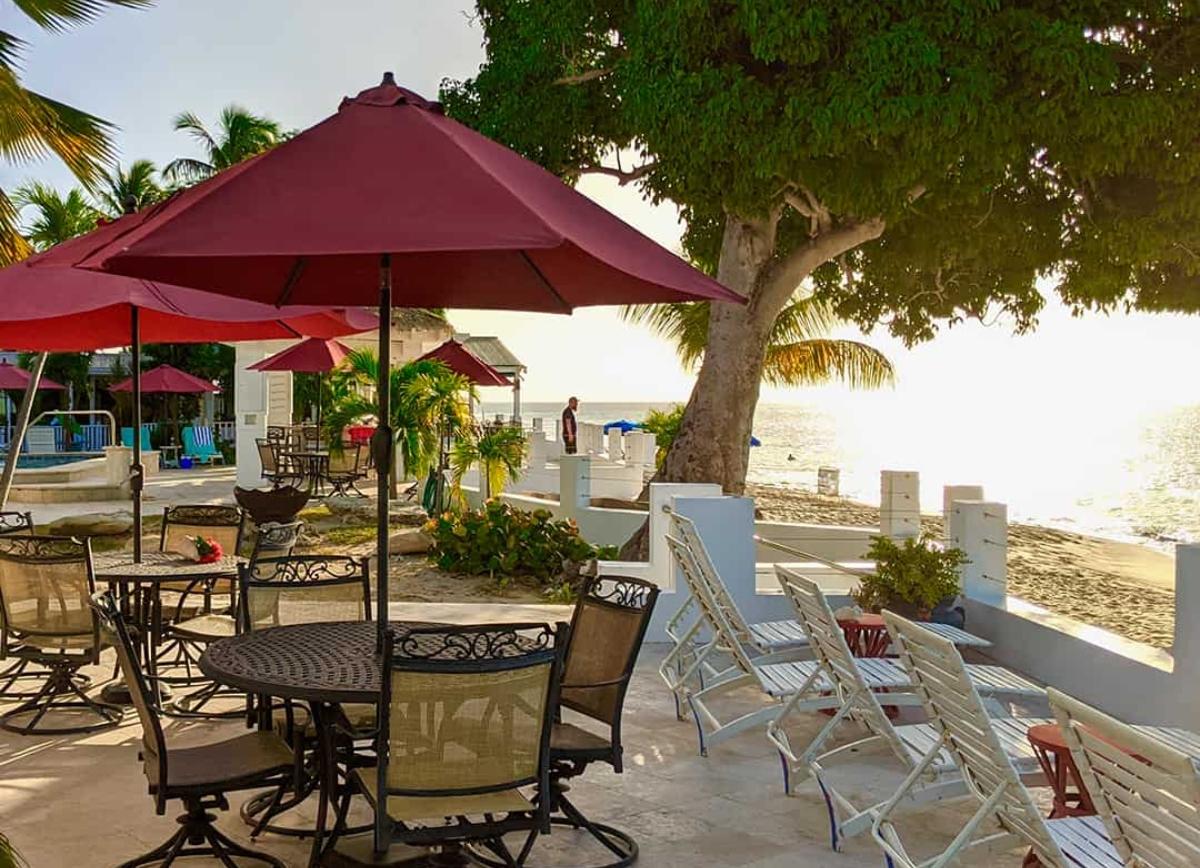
498	540
916	574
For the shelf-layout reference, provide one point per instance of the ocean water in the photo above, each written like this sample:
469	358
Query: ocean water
1103	471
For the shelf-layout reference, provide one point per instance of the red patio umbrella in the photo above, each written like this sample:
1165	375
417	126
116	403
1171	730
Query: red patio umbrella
462	361
16	379
390	190
312	356
166	379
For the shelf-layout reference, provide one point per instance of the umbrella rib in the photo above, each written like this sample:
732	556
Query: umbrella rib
290	283
545	283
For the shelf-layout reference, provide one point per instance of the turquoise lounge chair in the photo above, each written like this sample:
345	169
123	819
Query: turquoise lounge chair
199	445
127	438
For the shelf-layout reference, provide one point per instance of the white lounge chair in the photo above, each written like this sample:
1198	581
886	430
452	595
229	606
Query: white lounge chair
1144	787
909	743
988	771
798	679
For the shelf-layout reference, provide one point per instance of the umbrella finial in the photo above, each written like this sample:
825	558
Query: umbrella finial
388	78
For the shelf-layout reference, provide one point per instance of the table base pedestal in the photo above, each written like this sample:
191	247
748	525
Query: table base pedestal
359	852
117	693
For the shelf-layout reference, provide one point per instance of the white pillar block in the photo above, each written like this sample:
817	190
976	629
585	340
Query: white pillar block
951	493
1187	613
899	504
980	528
574	483
662	565
535	443
616	451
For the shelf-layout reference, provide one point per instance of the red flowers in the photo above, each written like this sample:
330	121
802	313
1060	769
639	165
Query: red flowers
208	550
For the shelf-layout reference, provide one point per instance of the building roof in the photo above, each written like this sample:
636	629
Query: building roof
491	351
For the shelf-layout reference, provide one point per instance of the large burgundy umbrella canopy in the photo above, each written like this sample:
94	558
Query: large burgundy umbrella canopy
390	201
313	356
17	379
462	361
167	380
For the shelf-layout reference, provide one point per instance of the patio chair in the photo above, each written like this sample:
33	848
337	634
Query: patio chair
909	743
1147	791
799	679
200	776
127	438
45	585
345	469
772	640
464	731
270	541
607	630
276	468
301	589
13	522
200	445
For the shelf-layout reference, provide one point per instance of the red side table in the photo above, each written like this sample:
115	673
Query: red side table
866	635
1071	798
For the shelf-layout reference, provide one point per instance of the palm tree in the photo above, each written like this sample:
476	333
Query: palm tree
239	136
33	126
56	217
498	450
799	353
664	425
132	189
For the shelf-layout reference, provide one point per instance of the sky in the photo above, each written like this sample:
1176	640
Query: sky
295	59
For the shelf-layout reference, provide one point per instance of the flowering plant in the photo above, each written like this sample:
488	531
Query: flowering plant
208	550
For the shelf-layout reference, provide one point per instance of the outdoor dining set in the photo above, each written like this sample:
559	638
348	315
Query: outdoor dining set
296	456
450	736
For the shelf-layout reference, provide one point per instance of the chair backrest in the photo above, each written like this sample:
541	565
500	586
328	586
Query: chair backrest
190	446
955	709
225	524
344	461
467	711
276	433
724	633
154	744
1146	791
607	630
275	539
46	585
268	455
202	435
708	573
127	438
304	589
837	661
12	521
39	440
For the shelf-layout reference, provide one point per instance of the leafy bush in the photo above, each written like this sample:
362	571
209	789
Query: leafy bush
498	540
915	574
664	425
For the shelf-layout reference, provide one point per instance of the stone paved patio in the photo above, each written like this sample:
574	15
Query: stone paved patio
81	802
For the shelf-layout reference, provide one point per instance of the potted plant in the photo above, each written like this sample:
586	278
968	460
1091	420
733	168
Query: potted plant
911	578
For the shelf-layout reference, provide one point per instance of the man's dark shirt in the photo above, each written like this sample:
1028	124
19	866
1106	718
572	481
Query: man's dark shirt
569	430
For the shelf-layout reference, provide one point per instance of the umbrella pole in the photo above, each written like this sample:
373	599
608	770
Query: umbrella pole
136	470
381	444
14	445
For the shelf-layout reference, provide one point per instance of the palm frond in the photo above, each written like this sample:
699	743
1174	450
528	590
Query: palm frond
56	217
57	15
13	245
135	186
187	170
685	324
822	360
803	318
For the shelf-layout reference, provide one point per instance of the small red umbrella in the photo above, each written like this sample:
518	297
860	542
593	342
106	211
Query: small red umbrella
166	379
312	356
462	361
17	379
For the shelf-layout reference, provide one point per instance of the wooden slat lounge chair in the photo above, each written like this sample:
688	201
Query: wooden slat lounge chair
200	446
988	769
1144	786
910	743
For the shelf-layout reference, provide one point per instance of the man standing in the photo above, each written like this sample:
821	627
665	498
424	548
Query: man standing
570	429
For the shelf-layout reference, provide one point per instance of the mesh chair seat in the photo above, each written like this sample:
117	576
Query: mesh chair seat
222	766
407	809
566	738
206	628
355	716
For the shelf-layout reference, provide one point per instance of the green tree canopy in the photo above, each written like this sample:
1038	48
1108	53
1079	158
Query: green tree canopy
912	163
239	135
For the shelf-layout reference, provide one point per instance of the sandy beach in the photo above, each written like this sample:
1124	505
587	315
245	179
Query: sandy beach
1123	587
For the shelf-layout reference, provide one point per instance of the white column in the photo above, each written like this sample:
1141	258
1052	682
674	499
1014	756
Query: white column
1187	613
615	450
980	528
258	400
574	483
662	495
951	493
899	504
535	443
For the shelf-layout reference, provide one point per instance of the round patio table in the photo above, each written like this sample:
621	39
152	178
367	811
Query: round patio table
313	466
323	664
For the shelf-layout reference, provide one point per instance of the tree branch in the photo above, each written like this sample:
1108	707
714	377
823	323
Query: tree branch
582	77
784	277
623	176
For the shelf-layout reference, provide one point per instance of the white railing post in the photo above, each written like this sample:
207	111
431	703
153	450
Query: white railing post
615	451
951	493
899	504
535	443
662	496
980	528
1187	612
574	484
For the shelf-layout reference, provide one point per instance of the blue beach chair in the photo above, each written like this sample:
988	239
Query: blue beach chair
200	446
127	438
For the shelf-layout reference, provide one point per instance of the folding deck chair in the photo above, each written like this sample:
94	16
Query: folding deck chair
199	445
935	777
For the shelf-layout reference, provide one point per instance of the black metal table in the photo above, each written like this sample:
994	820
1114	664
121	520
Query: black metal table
324	665
140	582
313	465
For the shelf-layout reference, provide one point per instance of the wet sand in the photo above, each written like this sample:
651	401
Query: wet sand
1123	587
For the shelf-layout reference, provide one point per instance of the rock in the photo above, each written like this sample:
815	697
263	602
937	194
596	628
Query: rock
410	542
407	515
351	509
93	524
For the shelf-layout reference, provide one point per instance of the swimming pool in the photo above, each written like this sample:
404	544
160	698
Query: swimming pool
53	459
